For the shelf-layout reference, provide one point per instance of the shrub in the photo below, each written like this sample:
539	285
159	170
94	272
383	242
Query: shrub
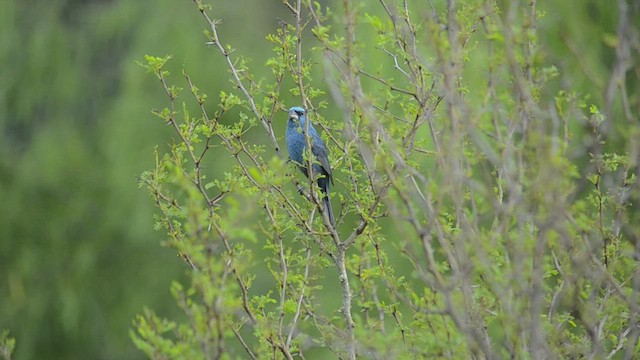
481	210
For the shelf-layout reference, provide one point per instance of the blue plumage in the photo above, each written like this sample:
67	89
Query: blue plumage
297	144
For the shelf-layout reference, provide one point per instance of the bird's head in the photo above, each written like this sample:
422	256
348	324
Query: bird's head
295	113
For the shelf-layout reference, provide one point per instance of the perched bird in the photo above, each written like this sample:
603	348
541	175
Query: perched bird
297	145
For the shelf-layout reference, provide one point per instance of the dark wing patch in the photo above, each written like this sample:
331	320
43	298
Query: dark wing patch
320	153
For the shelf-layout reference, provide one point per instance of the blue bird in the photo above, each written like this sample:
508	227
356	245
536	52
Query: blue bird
297	145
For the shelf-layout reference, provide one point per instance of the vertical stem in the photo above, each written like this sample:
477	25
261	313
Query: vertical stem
346	303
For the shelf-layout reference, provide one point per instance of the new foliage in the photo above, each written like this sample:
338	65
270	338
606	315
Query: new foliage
483	214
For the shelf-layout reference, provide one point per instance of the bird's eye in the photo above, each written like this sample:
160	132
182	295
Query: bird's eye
300	112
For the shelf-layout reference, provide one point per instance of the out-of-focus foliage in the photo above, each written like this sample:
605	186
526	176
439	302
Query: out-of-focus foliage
7	344
78	253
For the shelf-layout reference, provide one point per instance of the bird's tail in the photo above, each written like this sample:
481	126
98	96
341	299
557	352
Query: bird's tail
324	186
329	209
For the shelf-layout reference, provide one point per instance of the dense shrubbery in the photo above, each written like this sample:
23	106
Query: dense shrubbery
483	210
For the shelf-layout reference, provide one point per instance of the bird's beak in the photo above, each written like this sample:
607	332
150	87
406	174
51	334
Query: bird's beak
293	115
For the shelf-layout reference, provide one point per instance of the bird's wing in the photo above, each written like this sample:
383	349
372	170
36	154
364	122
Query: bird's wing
319	150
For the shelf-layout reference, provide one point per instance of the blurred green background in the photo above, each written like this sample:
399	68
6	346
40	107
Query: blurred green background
78	253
